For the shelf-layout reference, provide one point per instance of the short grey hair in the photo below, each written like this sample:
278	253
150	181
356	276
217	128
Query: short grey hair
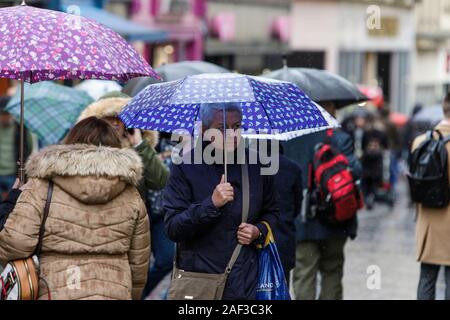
207	110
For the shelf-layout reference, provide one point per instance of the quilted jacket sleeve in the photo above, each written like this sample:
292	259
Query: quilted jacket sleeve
20	235
139	253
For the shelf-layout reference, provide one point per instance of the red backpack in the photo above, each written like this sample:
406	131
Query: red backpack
338	195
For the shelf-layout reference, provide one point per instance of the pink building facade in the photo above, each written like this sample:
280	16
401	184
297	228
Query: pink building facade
184	20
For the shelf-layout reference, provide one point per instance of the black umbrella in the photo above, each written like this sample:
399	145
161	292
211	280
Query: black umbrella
431	115
321	85
171	72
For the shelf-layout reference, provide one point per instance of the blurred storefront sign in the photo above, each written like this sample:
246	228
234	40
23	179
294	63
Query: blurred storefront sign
388	28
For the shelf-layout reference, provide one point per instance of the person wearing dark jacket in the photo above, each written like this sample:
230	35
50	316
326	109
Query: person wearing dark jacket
203	214
7	206
375	144
320	246
9	147
289	185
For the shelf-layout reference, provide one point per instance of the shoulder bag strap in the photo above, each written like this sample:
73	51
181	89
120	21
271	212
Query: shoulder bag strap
245	208
38	250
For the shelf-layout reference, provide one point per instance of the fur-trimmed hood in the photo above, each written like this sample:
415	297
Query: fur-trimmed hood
89	173
111	107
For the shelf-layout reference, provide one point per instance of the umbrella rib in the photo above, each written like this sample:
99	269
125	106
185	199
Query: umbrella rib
195	118
268	118
178	88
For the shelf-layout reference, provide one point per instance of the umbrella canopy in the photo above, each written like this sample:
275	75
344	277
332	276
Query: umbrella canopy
268	106
52	109
399	119
375	95
39	44
175	71
432	115
98	88
321	85
171	72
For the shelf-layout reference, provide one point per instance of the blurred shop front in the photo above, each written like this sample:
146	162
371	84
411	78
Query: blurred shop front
371	44
247	35
183	20
114	14
433	51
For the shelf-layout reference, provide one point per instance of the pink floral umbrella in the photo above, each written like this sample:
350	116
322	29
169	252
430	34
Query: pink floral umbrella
39	44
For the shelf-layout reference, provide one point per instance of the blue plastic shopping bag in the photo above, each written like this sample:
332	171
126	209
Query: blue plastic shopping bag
272	283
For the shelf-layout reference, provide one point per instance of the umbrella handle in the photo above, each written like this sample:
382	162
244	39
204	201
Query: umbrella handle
225	145
22	132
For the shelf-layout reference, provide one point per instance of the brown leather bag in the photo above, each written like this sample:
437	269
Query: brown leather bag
20	278
206	286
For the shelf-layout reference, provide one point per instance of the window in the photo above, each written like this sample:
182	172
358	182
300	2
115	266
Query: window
174	7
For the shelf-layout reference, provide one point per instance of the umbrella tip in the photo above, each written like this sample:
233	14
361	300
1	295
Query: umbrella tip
284	58
23	3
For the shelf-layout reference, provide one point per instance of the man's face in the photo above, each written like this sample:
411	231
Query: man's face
360	122
117	124
233	126
5	119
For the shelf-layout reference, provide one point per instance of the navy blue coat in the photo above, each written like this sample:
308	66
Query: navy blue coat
289	185
8	206
301	150
207	236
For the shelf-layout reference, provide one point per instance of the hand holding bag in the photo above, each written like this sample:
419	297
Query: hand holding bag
20	278
206	286
272	283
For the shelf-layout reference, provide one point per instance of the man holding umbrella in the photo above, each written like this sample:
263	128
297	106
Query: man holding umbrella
210	207
203	212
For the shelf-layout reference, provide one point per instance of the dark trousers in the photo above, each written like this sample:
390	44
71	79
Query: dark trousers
428	278
163	251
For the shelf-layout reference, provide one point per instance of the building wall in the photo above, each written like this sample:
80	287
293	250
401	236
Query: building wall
342	26
433	50
252	21
430	76
351	49
309	33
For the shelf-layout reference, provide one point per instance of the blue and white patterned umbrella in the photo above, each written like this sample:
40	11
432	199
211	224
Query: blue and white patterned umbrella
270	107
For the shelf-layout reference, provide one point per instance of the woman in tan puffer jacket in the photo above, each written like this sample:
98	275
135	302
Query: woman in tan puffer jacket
96	243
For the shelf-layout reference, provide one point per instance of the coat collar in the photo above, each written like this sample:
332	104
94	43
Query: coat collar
85	160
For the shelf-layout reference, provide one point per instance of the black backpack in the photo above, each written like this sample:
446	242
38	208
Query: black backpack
428	172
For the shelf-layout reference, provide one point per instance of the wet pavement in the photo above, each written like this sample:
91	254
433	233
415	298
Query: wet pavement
385	244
